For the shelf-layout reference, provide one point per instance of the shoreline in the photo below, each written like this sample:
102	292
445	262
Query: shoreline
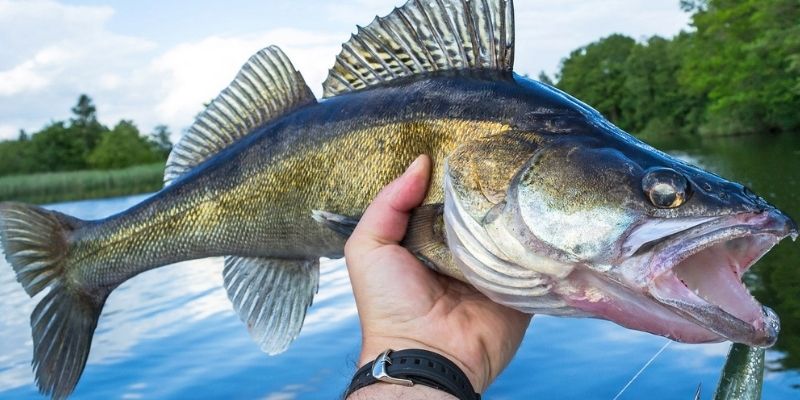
56	187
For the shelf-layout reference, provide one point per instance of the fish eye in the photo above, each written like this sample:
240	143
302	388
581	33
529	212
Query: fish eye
665	187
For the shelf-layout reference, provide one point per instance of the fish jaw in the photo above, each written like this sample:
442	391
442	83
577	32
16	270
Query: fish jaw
687	287
698	275
589	293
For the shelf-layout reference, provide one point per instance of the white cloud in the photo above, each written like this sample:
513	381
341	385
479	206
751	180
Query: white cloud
353	11
8	131
547	31
28	76
28	26
194	73
52	52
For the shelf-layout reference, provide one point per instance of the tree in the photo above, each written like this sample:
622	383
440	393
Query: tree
85	111
655	104
57	148
84	125
82	143
693	5
595	74
122	147
544	78
744	58
16	157
160	140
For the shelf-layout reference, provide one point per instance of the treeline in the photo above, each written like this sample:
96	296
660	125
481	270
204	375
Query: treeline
737	72
83	143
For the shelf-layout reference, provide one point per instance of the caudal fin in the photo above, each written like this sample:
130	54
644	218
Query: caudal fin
36	243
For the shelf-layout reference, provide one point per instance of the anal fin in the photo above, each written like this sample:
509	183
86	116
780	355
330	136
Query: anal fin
271	297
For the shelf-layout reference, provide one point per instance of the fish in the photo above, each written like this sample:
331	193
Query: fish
743	374
536	199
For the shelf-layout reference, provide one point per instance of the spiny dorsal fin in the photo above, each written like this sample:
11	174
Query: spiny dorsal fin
266	87
426	36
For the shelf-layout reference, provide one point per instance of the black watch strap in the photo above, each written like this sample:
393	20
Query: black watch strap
415	366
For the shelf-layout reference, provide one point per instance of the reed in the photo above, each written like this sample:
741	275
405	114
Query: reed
54	187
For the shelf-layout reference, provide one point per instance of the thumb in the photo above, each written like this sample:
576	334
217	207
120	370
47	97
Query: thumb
385	220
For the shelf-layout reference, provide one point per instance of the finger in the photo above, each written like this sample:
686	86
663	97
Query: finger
386	218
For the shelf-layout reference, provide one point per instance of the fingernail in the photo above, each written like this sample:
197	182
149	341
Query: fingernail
414	165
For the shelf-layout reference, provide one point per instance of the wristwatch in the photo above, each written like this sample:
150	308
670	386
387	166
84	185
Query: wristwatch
415	366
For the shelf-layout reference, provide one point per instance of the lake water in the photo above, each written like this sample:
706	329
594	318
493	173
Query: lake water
171	333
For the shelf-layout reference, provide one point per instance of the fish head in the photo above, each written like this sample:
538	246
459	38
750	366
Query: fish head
606	226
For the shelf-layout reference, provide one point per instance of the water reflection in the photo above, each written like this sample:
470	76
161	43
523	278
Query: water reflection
171	332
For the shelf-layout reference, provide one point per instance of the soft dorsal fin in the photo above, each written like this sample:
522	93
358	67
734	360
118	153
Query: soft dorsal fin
426	36
266	87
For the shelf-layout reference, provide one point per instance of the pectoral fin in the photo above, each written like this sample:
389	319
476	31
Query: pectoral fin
271	297
340	224
425	239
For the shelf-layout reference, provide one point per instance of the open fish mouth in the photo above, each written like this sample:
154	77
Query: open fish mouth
698	273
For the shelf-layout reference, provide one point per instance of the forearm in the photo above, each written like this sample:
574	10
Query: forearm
388	391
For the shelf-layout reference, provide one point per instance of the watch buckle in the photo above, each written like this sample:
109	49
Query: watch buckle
379	370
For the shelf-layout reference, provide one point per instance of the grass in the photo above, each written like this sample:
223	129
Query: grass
54	187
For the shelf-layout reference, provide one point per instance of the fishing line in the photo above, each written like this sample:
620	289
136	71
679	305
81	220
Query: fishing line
644	367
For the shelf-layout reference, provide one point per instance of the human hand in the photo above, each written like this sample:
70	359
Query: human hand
402	304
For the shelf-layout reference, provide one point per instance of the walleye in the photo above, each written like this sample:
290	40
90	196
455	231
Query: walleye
536	199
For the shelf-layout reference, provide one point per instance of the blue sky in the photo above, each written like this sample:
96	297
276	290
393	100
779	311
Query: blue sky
158	61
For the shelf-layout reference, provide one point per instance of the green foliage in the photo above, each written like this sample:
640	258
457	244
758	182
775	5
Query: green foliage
596	74
738	72
160	140
17	156
544	78
76	185
84	133
82	143
741	57
122	147
693	5
85	111
655	105
56	148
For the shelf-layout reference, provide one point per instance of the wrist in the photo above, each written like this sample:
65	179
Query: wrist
394	392
411	368
372	347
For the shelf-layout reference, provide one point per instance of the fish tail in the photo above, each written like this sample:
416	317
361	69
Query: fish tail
36	243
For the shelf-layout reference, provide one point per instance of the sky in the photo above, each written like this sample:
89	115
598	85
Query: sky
156	62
